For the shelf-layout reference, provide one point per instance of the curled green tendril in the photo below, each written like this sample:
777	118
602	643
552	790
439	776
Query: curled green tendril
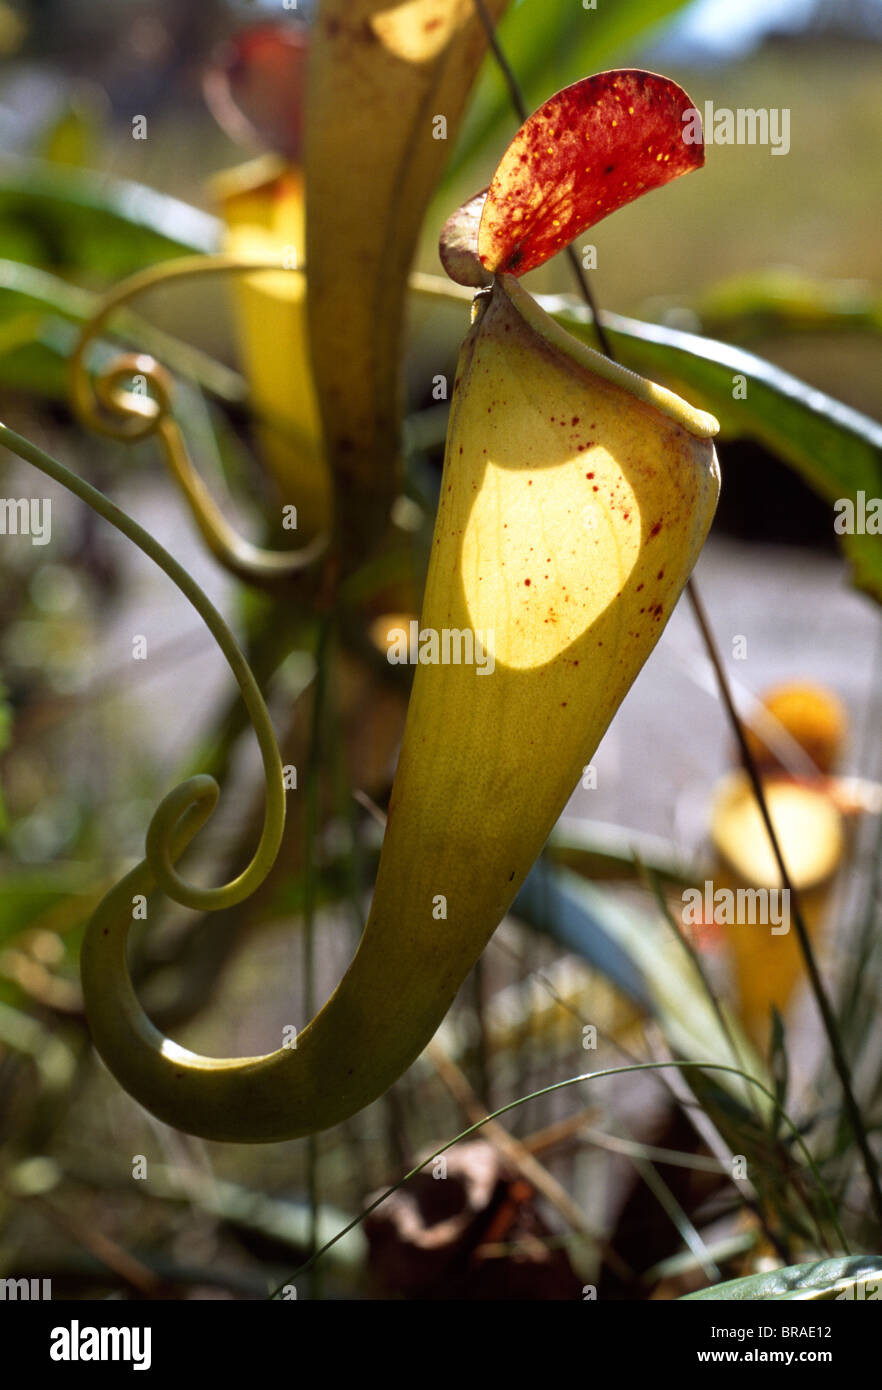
181	813
105	405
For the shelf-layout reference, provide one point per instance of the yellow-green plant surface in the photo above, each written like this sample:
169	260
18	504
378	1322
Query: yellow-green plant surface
575	499
263	207
379	76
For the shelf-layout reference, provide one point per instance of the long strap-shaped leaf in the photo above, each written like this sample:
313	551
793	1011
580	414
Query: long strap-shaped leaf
837	450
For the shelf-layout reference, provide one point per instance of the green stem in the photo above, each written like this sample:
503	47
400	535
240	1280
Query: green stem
105	406
309	894
200	791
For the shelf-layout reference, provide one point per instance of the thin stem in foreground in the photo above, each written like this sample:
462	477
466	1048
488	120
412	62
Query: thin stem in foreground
519	103
831	1027
562	1085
